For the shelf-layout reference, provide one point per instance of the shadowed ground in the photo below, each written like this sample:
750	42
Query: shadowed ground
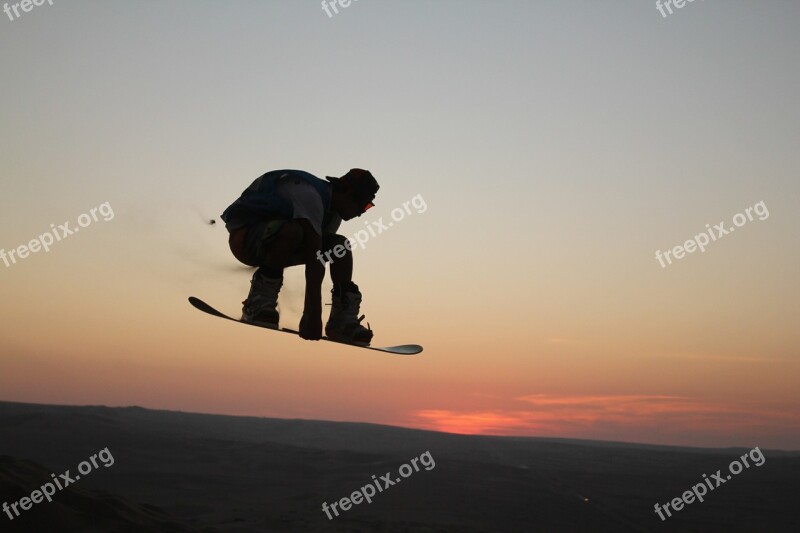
189	472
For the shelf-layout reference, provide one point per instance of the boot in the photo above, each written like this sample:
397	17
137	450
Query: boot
344	324
261	306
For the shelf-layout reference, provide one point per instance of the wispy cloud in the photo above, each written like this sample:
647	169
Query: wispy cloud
641	418
557	340
718	357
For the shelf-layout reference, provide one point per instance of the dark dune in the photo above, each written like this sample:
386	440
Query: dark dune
191	472
76	508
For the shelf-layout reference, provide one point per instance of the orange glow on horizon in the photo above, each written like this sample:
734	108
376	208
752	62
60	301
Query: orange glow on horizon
602	416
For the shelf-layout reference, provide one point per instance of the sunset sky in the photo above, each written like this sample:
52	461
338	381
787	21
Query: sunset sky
557	146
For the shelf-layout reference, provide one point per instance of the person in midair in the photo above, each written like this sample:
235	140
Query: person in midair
290	217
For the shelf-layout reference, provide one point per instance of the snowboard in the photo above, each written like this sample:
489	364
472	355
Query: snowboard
403	349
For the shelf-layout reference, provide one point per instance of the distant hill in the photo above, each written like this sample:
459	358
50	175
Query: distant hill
177	471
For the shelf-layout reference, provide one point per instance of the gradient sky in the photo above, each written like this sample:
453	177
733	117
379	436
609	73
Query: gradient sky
557	145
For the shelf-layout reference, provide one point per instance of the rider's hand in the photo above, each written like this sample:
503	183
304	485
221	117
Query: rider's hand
311	326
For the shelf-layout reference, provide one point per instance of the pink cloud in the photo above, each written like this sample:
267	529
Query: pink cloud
636	418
